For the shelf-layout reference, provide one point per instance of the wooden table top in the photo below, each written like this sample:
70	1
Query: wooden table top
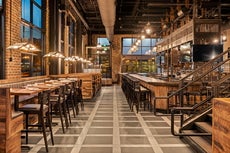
24	91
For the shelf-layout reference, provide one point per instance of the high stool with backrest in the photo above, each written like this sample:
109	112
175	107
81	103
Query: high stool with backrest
42	110
70	97
58	106
78	94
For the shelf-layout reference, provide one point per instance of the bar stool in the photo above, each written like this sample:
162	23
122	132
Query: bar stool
70	98
77	95
42	110
144	97
58	106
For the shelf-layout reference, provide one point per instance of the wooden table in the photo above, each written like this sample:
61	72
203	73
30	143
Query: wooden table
22	91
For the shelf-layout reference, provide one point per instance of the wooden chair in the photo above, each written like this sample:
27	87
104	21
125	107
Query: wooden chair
42	110
58	106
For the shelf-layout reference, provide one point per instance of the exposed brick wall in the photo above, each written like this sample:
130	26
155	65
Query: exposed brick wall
12	35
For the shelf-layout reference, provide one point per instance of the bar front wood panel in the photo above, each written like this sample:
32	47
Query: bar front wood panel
11	124
160	90
221	125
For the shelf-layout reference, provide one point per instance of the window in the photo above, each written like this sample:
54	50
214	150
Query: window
26	10
144	48
31	63
71	43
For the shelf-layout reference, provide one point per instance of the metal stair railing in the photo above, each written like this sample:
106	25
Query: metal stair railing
199	74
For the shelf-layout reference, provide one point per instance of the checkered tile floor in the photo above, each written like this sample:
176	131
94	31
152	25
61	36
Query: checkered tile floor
108	126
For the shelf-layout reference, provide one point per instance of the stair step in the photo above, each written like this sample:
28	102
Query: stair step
200	141
204	126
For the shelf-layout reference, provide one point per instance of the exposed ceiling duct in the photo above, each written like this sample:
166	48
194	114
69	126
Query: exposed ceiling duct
108	14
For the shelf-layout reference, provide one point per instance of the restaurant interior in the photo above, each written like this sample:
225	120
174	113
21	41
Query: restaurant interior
114	76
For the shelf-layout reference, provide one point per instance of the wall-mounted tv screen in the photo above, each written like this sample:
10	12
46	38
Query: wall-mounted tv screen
204	53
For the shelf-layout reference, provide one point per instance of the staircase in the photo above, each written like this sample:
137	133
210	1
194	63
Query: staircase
196	120
202	144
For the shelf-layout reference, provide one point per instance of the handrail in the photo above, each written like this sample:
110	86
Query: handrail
206	64
183	86
181	109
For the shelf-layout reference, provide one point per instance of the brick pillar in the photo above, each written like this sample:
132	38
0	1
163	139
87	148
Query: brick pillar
12	35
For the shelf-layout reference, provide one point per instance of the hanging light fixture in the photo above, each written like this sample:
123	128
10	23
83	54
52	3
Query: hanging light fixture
148	28
54	54
23	46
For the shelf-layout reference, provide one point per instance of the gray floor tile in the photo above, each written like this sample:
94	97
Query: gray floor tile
103	118
105	124
98	140
177	150
152	118
104	114
137	150
32	139
100	131
168	140
157	124
134	131
127	114
69	131
129	124
77	124
64	140
128	118
160	131
134	140
56	150
96	150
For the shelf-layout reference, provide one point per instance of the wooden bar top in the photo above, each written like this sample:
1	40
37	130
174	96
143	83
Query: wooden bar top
155	81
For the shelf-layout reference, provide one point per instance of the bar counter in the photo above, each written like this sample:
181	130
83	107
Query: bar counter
160	90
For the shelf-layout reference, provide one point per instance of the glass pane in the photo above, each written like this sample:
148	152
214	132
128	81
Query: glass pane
26	10
103	41
0	3
37	16
138	52
146	42
25	65
145	50
25	32
127	42
37	65
125	50
37	38
153	42
39	2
